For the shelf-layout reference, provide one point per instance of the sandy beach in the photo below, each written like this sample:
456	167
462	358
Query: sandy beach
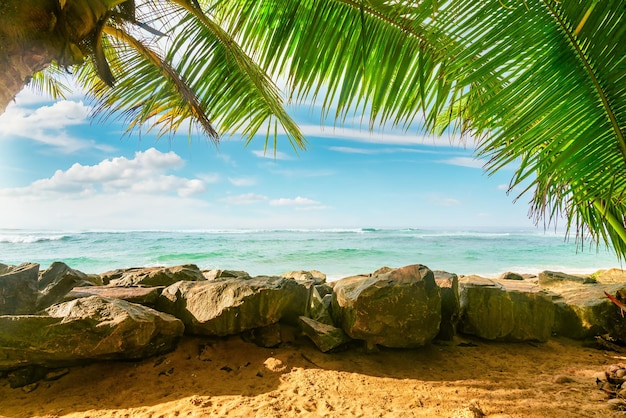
208	377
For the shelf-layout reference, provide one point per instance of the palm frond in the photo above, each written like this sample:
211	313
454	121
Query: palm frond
232	85
52	82
200	76
540	82
357	57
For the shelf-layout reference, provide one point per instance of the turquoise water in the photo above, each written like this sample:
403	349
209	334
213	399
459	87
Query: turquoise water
337	252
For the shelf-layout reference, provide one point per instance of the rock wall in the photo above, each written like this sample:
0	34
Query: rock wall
62	316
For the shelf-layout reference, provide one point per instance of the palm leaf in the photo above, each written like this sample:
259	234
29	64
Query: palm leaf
540	82
200	76
356	57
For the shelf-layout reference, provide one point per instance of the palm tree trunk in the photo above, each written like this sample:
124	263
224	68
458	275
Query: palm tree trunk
33	33
16	70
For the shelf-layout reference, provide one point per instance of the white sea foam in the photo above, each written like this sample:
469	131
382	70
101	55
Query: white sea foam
337	252
30	239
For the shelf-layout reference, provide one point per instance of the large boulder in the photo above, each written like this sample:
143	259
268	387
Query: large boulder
613	275
550	279
91	328
56	281
153	276
314	276
18	289
217	274
393	307
227	306
584	311
507	310
147	296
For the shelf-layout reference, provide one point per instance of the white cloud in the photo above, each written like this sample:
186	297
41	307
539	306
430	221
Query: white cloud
242	181
366	151
298	201
273	155
465	162
144	174
48	125
504	187
443	201
389	138
210	178
304	173
351	150
244	199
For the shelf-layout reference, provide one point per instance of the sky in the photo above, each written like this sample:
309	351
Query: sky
61	169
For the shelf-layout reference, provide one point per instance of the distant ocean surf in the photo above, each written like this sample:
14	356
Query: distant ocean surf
336	252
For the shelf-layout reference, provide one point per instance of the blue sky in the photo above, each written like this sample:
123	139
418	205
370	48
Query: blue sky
60	169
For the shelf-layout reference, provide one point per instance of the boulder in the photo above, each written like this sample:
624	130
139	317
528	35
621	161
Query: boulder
506	310
227	306
396	308
153	276
56	281
92	328
314	276
216	274
325	337
509	275
584	311
450	306
18	290
613	275
548	279
146	296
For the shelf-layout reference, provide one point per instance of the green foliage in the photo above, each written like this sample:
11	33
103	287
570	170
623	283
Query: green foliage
539	83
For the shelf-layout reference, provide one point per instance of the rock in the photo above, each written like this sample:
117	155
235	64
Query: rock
584	311
320	305
25	376
509	275
305	276
92	328
562	379
610	276
55	282
18	290
5	268
397	308
269	336
154	276
56	272
146	296
325	337
554	278
450	306
505	310
216	274
227	306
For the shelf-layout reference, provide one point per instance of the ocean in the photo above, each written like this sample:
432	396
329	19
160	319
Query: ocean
336	252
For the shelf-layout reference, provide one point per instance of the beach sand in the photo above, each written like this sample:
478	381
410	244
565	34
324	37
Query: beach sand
207	377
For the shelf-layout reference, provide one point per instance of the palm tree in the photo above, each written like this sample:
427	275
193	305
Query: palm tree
145	60
539	84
